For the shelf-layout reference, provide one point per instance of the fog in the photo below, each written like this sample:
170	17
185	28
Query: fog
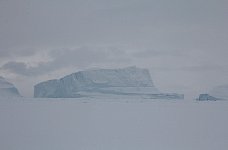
183	43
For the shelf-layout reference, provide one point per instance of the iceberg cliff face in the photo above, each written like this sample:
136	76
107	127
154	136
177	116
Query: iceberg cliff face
7	89
127	81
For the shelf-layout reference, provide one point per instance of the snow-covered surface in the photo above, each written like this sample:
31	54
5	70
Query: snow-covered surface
113	124
126	81
7	89
220	92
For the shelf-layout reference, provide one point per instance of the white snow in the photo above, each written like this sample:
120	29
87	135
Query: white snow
7	89
112	124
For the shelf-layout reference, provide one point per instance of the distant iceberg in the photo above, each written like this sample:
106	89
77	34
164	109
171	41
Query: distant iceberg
217	93
206	97
7	89
130	81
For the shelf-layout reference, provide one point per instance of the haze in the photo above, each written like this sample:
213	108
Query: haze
183	43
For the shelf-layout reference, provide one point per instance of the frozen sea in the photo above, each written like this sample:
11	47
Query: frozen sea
112	124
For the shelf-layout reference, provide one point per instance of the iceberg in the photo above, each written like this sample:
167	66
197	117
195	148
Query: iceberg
217	93
206	97
7	89
129	81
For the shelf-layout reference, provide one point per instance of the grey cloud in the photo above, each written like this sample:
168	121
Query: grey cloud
196	68
21	68
65	23
16	67
5	53
158	53
85	56
65	58
201	68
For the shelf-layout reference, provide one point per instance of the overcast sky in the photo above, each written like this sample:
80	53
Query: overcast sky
184	43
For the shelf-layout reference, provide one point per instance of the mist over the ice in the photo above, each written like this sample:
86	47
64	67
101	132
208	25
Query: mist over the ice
183	43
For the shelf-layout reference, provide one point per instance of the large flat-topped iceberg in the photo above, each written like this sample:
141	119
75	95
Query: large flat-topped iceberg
7	89
130	81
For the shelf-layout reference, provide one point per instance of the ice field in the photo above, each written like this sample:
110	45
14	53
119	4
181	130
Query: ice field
112	124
